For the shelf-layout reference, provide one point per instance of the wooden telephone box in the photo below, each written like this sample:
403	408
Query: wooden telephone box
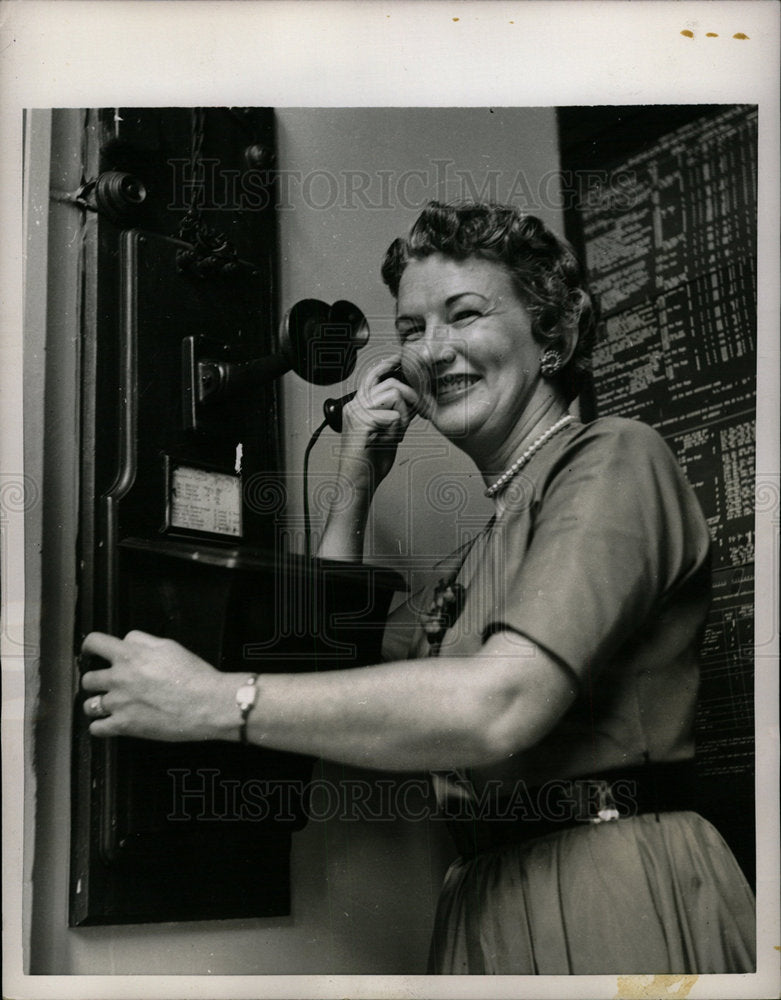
180	520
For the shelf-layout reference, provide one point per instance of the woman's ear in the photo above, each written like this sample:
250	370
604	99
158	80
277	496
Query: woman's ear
566	340
564	337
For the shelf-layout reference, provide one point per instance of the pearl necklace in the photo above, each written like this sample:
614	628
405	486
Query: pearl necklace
519	463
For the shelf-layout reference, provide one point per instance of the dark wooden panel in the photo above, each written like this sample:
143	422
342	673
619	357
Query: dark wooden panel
192	831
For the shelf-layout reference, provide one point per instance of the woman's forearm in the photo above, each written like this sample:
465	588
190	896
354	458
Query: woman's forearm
345	525
409	715
373	425
414	714
369	716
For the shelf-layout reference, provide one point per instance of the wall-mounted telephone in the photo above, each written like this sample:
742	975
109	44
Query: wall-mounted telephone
181	537
317	341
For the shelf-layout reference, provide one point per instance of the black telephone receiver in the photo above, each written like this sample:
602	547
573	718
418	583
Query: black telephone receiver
332	408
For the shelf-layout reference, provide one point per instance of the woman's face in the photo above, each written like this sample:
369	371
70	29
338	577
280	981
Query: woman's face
468	337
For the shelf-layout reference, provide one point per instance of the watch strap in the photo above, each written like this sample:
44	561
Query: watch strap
246	697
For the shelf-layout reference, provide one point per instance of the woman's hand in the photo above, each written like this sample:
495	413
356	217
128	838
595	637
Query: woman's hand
373	424
156	689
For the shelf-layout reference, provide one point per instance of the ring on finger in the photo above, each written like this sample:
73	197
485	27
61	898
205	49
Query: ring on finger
97	708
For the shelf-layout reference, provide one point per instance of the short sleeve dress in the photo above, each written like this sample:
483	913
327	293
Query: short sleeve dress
599	554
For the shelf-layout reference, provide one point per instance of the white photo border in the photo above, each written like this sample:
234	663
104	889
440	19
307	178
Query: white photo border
406	53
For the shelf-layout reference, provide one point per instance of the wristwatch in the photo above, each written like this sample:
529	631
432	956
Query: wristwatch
246	697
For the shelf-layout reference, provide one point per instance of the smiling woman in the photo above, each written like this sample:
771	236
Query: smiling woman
549	676
463	322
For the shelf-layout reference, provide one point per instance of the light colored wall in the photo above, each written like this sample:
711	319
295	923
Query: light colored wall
363	893
361	178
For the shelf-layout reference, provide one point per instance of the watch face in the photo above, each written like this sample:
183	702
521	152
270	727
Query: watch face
246	695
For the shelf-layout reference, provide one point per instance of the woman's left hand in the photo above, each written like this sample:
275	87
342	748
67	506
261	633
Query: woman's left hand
156	689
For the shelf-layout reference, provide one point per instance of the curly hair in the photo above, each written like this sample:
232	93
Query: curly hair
544	269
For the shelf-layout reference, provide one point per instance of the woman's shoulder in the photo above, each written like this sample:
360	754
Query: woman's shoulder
620	430
614	450
621	439
622	468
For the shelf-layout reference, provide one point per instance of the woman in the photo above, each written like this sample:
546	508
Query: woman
563	674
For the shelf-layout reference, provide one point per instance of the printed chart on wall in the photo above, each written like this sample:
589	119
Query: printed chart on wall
671	253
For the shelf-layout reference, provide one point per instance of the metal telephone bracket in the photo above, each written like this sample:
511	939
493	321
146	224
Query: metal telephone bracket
201	357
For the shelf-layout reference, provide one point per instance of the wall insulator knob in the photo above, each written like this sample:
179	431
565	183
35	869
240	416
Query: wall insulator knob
258	157
118	195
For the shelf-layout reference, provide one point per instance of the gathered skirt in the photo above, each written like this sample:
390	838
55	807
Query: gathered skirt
635	896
